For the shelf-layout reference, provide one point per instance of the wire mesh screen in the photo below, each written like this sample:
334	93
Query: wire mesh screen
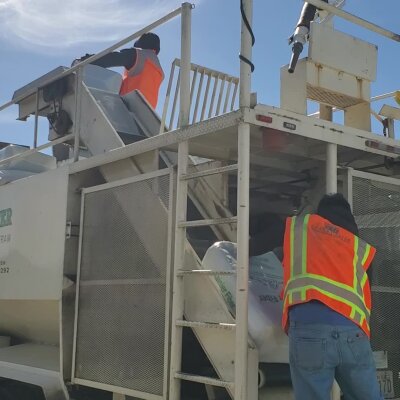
120	339
377	209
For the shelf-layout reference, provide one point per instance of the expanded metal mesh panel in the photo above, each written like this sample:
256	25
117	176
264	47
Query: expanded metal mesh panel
111	223
120	345
122	296
377	209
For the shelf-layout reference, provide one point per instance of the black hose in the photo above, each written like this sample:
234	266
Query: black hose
253	38
306	17
296	51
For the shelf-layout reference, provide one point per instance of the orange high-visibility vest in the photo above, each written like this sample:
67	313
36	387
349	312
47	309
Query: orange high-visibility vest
326	263
146	76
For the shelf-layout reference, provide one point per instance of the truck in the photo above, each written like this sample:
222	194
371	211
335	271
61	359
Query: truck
124	263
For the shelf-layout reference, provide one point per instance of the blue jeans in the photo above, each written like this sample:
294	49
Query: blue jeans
321	353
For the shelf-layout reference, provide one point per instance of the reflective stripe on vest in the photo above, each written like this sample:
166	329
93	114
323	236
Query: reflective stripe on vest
302	285
146	76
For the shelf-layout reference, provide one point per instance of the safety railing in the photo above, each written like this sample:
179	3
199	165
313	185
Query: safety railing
212	93
354	19
77	70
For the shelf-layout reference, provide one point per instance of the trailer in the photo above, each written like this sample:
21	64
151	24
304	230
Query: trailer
124	256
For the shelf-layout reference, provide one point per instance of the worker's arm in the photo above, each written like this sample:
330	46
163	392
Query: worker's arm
124	58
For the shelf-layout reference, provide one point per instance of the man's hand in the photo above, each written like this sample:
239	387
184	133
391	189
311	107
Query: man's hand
78	60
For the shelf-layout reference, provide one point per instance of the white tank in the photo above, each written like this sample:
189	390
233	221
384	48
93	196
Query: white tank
265	304
32	240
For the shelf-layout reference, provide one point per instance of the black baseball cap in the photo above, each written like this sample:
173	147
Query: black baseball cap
336	209
148	41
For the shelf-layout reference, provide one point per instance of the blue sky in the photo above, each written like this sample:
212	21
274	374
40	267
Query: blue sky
38	36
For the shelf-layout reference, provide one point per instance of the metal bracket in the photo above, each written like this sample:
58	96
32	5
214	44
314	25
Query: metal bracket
71	230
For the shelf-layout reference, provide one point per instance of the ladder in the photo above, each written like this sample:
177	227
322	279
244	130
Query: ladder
181	272
238	386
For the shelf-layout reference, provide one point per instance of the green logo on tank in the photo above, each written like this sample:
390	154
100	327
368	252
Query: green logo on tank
5	217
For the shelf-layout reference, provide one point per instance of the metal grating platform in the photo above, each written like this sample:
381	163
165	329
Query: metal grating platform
331	98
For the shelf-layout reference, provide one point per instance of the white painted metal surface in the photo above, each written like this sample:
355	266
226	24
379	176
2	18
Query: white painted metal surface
390	112
243	210
363	60
35	364
181	207
328	132
27	259
32	256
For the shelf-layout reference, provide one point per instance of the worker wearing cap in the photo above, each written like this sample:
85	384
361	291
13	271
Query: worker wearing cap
143	70
327	304
327	301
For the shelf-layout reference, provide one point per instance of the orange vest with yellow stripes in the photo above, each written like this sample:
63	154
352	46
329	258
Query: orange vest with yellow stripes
326	263
146	76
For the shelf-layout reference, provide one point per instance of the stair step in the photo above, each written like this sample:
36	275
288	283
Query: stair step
204	379
207	222
208	325
209	172
184	272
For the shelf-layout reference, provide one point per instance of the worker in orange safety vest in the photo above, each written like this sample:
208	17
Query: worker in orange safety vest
142	68
327	300
327	304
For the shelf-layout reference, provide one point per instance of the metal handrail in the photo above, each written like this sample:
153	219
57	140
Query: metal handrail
78	70
37	149
384	96
354	19
97	56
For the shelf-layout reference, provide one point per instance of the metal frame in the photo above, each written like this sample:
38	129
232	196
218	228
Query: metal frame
325	131
167	140
119	390
123	182
380	178
169	291
127	181
242	120
181	206
345	175
78	279
243	208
